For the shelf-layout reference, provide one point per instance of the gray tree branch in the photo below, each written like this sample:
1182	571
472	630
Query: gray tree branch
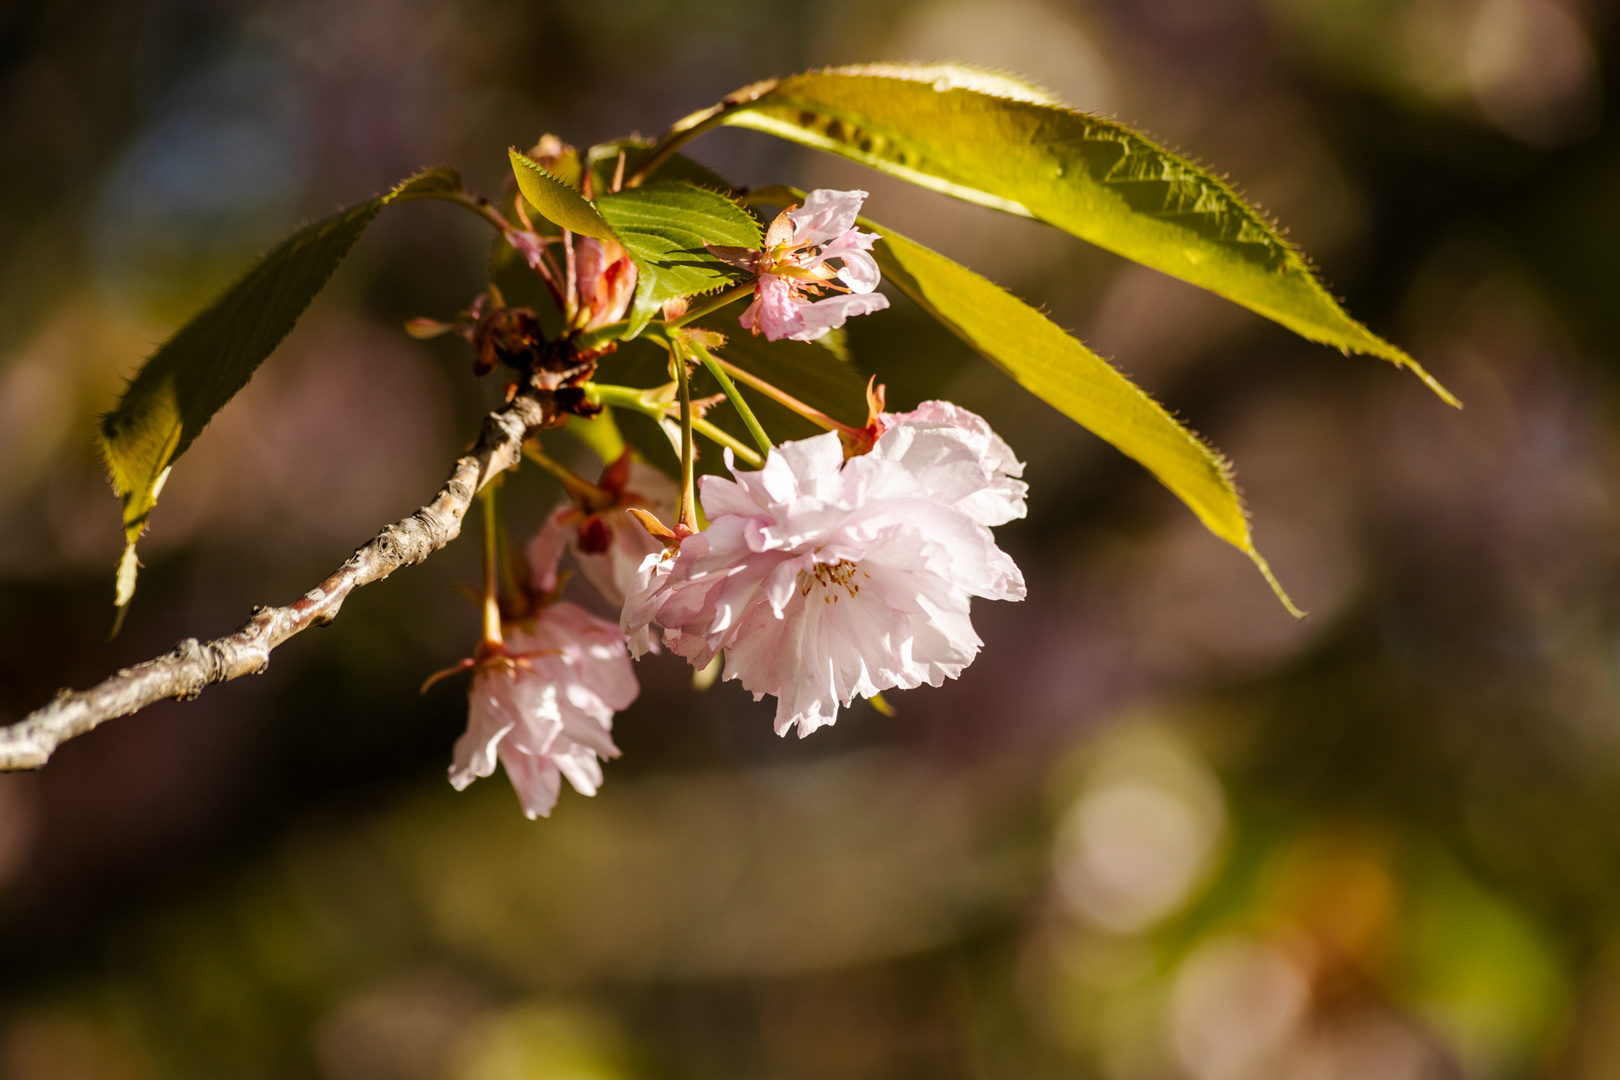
190	667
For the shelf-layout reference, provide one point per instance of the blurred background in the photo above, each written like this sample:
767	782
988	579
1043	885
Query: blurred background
1158	830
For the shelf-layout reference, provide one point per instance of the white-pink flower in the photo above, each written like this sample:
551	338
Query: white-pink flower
605	541
547	713
801	247
823	579
953	453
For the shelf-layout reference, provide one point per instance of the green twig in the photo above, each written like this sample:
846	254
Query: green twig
517	572
683	379
781	397
734	395
579	489
626	397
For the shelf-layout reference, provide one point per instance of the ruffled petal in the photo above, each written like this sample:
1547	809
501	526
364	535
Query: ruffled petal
546	548
825	216
815	320
823	580
775	310
536	781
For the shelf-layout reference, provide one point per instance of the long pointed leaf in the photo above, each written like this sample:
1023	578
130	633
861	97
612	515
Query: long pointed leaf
1061	371
997	142
188	380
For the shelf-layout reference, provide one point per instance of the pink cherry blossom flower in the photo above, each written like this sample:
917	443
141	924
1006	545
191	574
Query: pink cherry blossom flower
823	580
954	454
596	528
800	248
545	710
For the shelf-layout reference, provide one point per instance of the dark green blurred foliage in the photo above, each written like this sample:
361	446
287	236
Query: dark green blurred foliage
1158	830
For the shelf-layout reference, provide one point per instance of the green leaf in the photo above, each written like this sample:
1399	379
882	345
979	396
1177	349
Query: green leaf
1076	381
175	394
664	227
1001	143
556	201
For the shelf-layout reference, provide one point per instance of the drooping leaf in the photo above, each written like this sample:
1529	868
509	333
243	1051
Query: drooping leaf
664	226
1061	371
998	142
555	200
175	394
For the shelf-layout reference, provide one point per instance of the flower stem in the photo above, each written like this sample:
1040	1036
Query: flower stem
579	489
492	603
626	397
750	421
688	513
782	397
515	594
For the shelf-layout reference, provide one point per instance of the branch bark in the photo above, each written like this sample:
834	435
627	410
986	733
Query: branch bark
191	667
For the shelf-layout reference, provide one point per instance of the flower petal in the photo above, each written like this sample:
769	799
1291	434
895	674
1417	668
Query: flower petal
825	216
815	320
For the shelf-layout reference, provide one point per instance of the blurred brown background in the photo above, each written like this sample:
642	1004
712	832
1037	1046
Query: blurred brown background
1159	830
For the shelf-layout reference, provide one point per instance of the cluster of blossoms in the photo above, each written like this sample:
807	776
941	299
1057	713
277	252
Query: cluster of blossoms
842	568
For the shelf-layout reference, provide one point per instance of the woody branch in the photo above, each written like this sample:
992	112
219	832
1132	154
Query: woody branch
192	666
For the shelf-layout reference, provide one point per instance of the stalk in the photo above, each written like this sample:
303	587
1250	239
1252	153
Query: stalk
626	397
781	397
688	513
579	489
492	604
750	421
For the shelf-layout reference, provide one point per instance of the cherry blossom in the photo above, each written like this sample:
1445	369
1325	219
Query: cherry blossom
544	708
800	247
954	454
823	579
597	529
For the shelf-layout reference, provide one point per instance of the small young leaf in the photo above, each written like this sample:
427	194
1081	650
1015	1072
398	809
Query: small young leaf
664	226
175	394
1059	370
556	201
991	140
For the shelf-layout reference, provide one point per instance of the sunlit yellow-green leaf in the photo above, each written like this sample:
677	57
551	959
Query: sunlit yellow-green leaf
1061	371
175	394
556	201
998	142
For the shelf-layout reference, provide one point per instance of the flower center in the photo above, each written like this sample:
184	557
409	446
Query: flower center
832	577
